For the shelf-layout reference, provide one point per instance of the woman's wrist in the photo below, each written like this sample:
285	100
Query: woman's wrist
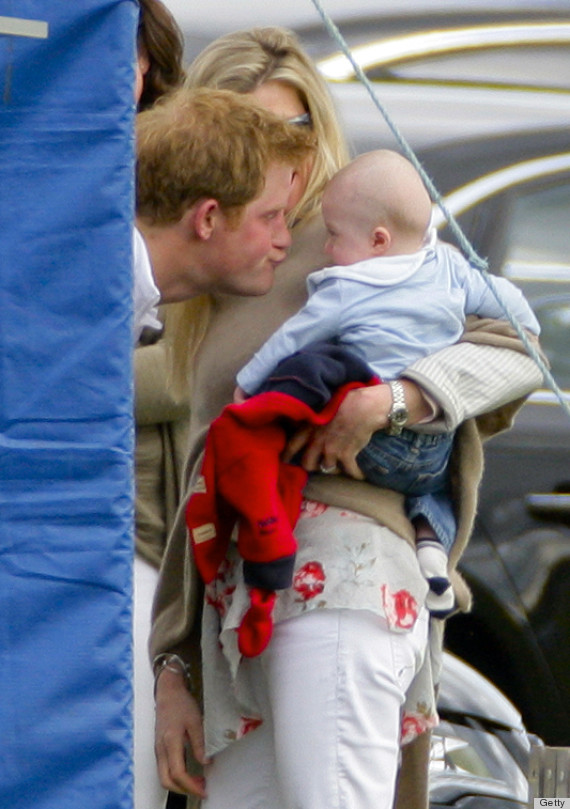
178	669
421	408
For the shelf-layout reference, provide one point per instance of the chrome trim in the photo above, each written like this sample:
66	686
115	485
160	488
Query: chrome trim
484	187
395	50
546	396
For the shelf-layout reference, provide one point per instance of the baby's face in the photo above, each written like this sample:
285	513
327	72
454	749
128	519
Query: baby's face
346	242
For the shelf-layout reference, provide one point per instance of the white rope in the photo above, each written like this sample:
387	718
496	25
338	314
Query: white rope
472	256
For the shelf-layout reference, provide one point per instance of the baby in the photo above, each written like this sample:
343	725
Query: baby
394	295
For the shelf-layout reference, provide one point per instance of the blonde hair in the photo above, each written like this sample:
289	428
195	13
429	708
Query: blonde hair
242	61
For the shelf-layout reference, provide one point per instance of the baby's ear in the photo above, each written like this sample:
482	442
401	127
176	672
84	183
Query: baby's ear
381	240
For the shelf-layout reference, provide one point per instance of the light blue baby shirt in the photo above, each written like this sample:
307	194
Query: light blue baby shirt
391	311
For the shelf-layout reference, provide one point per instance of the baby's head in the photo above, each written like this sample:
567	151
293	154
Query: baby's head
377	205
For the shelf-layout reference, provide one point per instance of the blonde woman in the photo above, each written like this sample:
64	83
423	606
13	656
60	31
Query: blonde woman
317	721
269	64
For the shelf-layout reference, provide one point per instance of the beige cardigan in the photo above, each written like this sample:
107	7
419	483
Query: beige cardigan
160	450
238	327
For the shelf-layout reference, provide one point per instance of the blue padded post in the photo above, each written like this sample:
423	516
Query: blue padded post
66	432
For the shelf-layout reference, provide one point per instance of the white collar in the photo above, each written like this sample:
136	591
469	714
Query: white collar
145	292
382	271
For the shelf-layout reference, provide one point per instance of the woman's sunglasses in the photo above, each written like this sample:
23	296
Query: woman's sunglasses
301	120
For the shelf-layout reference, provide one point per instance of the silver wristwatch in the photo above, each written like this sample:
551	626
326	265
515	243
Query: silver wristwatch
398	415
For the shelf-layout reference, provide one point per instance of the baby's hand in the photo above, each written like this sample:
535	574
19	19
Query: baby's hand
240	395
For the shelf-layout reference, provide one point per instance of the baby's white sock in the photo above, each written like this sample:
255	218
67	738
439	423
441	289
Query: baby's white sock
432	559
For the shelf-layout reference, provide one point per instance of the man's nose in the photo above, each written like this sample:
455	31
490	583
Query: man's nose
282	235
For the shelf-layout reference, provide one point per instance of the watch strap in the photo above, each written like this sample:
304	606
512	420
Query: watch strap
398	415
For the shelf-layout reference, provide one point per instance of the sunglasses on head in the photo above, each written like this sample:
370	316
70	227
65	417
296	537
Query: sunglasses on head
301	120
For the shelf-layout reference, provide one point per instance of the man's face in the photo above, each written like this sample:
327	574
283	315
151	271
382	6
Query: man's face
244	258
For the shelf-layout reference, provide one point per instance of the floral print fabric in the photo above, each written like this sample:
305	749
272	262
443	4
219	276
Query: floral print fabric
344	561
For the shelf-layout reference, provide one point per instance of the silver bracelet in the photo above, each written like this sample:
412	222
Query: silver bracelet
174	663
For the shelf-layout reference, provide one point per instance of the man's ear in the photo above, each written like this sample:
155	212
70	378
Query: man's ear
204	216
381	240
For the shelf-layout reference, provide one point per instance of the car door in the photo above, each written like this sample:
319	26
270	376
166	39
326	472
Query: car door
518	561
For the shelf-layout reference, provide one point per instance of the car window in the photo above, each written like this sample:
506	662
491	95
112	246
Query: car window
521	66
537	258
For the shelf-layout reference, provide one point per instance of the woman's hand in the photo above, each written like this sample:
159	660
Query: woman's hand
240	396
178	723
336	445
362	412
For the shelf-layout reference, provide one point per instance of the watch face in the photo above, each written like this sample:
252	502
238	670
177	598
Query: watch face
399	416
